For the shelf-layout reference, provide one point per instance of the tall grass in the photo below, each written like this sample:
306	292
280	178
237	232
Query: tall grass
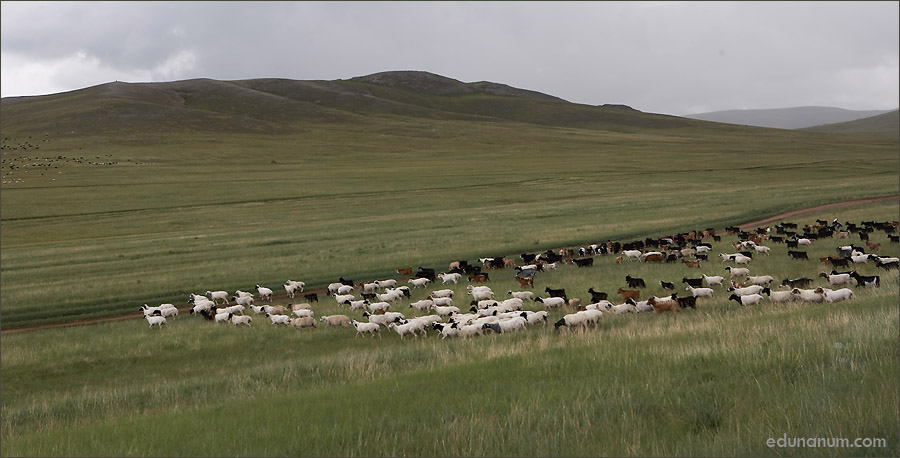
718	380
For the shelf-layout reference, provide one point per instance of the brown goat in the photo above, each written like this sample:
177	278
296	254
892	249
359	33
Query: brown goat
691	263
655	257
406	271
670	305
630	293
527	281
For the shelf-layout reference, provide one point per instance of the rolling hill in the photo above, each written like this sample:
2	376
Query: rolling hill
283	105
786	118
883	124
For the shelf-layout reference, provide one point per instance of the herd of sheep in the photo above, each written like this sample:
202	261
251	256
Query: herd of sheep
490	314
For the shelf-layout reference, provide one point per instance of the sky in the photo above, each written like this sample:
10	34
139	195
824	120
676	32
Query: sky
661	57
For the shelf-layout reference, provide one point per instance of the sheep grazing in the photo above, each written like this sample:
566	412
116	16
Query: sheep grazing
749	299
551	301
299	313
216	296
344	290
303	322
424	304
366	328
156	320
572	320
278	319
801	282
445	310
523	295
713	280
761	280
447	278
239	320
220	317
441	301
535	317
809	295
292	287
700	292
442	293
300	306
264	293
627	307
504	326
410	327
384	284
835	279
243	300
752	289
780	296
343	298
762	249
838	295
738	271
336	320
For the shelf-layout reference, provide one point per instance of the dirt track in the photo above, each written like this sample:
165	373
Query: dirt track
321	293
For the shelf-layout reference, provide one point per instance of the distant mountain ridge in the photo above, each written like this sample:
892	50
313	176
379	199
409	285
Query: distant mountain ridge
786	118
884	124
276	105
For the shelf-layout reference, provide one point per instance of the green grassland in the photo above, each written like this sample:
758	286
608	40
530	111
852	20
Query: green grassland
719	380
201	209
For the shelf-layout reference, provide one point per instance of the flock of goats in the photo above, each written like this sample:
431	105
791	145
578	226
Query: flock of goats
487	314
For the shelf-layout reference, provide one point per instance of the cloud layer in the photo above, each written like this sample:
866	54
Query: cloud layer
664	57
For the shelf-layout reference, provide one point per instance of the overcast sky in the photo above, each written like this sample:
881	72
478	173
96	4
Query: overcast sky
662	57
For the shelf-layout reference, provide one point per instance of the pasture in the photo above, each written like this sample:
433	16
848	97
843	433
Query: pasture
718	380
192	211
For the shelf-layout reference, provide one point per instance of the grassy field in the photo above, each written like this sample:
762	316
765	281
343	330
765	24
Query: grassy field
719	380
180	213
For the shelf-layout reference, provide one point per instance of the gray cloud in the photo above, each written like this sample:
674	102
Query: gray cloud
666	57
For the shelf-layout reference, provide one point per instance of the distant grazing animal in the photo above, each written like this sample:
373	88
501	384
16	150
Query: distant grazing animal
596	296
695	282
629	294
797	254
556	293
405	271
667	285
584	262
691	263
635	282
801	282
311	297
527	281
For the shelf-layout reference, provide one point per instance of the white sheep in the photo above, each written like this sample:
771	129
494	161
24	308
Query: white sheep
781	296
258	309
762	249
359	305
279	319
418	282
390	283
572	320
860	259
243	293
304	322
220	317
424	304
523	295
204	306
364	328
343	298
410	327
216	296
504	326
809	295
535	317
389	296
241	320
369	287
302	305
300	313
444	310
335	320
378	306
264	293
623	308
243	300
442	293
701	292
442	301
838	295
333	287
447	278
738	271
749	299
837	279
551	301
715	280
803	242
446	329
157	320
293	287
345	290
752	289
761	280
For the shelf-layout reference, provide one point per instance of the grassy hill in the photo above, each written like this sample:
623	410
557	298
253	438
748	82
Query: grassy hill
786	118
124	194
883	124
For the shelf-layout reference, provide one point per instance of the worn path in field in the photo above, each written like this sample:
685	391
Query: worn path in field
322	293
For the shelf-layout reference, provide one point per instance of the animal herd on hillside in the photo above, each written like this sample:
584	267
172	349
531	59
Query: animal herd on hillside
488	314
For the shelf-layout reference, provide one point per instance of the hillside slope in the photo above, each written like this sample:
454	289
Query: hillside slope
282	105
884	124
786	118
